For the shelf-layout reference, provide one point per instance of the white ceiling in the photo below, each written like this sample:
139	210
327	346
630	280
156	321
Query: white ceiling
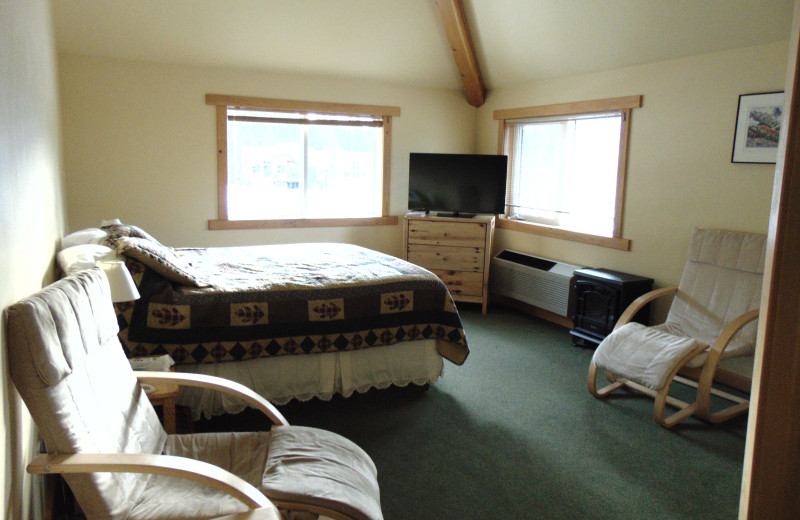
402	41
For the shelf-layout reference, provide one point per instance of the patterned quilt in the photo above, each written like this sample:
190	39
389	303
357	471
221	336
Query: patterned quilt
229	304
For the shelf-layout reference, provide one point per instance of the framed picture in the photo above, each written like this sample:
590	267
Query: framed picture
758	126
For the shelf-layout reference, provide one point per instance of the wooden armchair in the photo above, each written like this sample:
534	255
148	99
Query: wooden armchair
102	433
712	316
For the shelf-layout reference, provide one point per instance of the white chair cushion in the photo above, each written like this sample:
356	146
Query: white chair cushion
721	281
642	354
736	250
321	468
290	463
68	365
242	453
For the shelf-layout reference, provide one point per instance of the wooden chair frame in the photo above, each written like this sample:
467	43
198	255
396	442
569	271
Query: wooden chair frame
183	467
704	373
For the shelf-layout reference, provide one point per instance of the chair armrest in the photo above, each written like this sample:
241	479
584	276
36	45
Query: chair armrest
728	331
215	383
706	379
168	465
637	304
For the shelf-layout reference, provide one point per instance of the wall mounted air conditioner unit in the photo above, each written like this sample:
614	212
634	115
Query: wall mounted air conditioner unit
536	281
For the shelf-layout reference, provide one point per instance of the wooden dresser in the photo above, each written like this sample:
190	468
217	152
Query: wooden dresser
457	250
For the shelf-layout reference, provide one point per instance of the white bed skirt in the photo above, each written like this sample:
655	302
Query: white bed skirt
283	378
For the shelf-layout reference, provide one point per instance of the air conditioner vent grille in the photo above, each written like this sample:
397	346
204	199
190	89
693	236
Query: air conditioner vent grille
536	281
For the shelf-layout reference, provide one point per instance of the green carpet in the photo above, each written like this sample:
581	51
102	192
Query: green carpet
513	433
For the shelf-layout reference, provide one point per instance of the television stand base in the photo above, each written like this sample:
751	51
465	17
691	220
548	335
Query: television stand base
455	214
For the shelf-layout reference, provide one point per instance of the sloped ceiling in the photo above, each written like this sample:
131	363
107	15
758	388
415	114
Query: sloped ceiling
403	41
518	41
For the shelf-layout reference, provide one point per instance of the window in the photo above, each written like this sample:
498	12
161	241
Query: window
567	169
293	163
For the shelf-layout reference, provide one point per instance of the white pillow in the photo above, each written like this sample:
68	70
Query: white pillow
84	256
84	236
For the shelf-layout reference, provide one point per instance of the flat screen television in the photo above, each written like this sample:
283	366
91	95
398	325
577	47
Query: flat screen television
458	185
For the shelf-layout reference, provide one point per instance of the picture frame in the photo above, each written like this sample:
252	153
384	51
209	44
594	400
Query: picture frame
758	125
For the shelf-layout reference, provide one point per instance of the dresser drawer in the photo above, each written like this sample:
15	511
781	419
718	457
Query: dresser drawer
446	257
461	283
457	250
446	233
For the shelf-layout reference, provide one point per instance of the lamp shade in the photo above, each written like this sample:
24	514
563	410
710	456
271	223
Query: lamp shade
122	287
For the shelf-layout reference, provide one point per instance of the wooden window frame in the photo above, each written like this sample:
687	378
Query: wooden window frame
223	102
623	104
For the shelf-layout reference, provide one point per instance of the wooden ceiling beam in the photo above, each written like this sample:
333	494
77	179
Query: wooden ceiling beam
457	31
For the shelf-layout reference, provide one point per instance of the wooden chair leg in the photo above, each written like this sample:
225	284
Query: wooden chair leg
662	400
704	392
592	382
728	413
701	407
662	396
684	409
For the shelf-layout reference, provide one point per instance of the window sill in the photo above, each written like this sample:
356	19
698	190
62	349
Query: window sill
216	225
623	244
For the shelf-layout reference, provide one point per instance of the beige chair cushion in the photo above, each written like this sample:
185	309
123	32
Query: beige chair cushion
243	454
721	281
69	367
321	468
642	354
70	370
291	463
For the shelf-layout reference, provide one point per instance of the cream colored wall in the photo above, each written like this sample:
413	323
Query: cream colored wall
31	210
139	144
679	171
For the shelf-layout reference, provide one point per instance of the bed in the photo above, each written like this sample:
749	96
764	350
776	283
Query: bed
290	321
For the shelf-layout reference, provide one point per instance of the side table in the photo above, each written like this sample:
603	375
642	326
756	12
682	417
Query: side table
163	395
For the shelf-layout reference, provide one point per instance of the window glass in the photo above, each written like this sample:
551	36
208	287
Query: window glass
303	165
567	168
290	163
563	171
